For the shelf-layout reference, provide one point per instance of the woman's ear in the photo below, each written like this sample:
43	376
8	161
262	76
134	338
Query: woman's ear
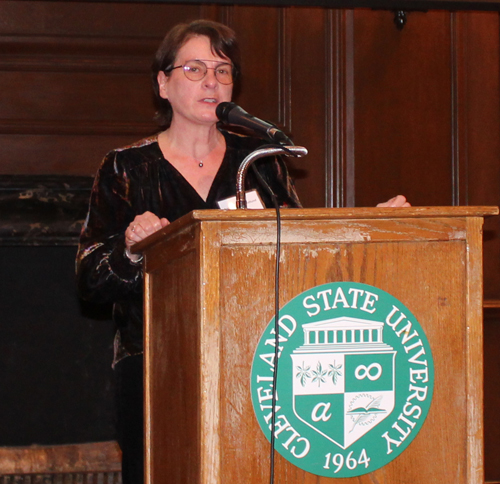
162	84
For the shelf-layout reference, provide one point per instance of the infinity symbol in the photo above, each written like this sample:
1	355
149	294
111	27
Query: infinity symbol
363	372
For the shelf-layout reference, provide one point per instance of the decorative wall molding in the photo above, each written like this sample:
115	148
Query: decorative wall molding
75	127
76	54
73	63
339	135
486	5
285	71
75	463
42	209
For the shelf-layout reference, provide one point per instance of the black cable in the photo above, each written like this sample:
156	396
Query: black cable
284	148
276	339
276	318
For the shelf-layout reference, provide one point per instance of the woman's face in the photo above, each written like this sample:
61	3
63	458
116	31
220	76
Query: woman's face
195	101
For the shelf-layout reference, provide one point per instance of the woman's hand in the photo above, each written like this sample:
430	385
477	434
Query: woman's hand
142	226
397	201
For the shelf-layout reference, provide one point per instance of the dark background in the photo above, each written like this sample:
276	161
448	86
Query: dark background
56	377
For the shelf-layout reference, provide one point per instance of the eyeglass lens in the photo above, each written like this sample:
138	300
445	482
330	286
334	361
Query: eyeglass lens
196	70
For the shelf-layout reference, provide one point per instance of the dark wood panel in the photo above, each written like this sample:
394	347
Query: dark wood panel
480	131
75	82
56	154
80	54
283	64
93	19
26	43
339	136
306	113
379	4
259	37
71	127
280	48
66	96
402	108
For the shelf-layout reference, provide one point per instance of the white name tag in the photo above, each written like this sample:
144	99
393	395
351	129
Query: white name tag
252	197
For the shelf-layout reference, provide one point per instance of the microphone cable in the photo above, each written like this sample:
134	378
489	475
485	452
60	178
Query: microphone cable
268	189
276	318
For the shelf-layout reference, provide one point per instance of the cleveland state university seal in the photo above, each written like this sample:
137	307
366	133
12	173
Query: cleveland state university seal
355	379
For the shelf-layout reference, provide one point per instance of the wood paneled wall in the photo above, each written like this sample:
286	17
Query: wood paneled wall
381	110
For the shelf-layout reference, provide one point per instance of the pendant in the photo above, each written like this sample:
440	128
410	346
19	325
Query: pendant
200	164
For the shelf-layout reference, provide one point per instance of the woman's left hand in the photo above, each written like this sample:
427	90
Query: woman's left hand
397	201
140	228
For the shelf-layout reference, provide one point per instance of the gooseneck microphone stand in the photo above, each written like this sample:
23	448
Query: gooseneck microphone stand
296	151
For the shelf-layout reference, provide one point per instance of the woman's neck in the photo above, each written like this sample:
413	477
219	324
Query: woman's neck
193	141
197	155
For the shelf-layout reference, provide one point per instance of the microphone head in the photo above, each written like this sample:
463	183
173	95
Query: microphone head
231	113
222	111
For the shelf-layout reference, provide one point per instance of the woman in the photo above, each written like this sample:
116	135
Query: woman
139	189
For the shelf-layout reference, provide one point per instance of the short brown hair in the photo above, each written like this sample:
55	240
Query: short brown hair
222	41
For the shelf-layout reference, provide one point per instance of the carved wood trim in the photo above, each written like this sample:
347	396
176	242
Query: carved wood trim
285	70
331	198
340	109
42	209
458	82
76	54
491	5
98	128
73	458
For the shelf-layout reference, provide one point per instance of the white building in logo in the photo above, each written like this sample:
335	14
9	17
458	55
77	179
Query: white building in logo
343	334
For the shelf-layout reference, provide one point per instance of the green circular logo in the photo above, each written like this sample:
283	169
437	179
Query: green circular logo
355	379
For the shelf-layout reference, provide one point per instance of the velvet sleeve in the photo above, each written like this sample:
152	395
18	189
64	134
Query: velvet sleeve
104	273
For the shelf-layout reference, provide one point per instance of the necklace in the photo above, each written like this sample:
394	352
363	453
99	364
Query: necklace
200	162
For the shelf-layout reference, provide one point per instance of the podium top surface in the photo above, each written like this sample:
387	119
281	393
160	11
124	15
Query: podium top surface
342	213
316	214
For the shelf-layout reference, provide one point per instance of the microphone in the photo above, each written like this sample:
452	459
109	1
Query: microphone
231	113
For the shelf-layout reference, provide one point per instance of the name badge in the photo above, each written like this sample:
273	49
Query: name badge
252	197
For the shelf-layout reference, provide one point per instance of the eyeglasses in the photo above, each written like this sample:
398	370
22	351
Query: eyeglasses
196	70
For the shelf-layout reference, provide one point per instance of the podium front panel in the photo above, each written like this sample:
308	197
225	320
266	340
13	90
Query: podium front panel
210	295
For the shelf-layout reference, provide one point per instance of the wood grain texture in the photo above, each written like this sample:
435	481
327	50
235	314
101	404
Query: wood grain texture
474	353
235	277
75	458
391	121
380	264
211	361
172	355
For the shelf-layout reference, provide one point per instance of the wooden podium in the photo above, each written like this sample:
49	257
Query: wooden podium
209	294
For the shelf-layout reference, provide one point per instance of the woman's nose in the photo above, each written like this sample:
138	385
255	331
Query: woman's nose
210	79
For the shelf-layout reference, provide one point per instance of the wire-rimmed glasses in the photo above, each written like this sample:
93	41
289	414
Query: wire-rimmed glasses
196	70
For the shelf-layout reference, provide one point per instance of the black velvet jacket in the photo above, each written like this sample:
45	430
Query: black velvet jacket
136	179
